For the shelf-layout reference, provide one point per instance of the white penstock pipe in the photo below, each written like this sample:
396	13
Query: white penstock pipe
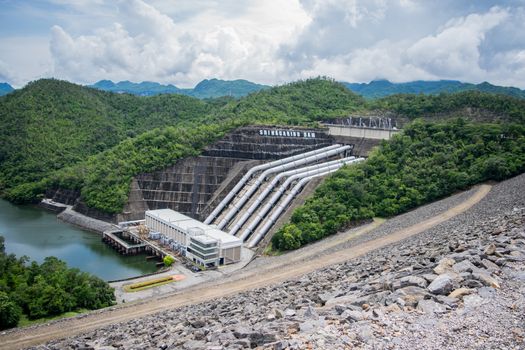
282	167
249	174
281	207
260	215
274	182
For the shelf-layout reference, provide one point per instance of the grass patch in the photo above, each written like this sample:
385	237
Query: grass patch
135	287
269	251
26	322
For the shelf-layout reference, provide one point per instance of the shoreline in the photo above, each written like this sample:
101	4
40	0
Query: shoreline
68	215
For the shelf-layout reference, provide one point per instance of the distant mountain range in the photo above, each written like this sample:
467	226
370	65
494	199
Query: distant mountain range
205	89
5	88
382	88
238	88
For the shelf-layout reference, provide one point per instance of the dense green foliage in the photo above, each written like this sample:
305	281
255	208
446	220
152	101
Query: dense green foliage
168	260
217	88
52	124
104	177
50	288
298	103
205	89
483	106
56	134
383	88
426	162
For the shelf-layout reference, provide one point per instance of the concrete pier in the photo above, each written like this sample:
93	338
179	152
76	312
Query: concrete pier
122	246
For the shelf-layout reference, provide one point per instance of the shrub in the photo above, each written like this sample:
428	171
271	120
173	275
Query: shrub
168	260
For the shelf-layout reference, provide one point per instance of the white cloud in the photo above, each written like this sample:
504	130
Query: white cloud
149	45
453	52
25	58
274	41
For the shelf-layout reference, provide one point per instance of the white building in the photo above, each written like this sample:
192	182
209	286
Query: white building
204	244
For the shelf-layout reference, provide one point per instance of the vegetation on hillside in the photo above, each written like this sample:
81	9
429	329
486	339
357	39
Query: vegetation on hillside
383	88
52	124
212	88
497	107
426	162
48	289
103	173
56	134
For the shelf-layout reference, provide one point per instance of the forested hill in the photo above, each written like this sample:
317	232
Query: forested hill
238	88
205	89
382	88
5	88
57	134
52	124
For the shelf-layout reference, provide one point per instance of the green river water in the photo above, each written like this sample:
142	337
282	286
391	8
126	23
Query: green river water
37	233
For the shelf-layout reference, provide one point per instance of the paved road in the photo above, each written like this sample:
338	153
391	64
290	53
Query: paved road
273	273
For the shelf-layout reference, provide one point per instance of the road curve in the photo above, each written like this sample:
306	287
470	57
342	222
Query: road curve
22	338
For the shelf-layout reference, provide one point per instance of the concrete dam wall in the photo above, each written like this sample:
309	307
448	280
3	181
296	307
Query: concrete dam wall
192	185
195	185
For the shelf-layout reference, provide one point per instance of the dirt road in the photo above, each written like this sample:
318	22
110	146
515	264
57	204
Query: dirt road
271	274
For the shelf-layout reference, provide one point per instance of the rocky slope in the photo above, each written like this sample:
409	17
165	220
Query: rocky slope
459	285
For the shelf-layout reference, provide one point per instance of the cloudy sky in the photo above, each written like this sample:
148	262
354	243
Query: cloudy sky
266	41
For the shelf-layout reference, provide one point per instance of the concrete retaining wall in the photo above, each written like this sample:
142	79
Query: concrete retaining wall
367	133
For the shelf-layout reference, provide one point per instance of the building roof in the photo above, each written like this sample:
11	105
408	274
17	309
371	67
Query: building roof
168	215
185	223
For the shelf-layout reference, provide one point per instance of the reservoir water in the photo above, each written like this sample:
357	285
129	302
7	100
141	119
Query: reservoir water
34	232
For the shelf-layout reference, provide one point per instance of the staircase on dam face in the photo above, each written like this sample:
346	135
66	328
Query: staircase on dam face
186	186
192	185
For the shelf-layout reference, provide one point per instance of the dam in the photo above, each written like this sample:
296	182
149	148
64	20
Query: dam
221	188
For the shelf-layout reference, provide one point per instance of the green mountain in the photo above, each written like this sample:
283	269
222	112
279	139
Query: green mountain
382	88
5	88
141	89
427	162
51	124
57	134
216	88
205	89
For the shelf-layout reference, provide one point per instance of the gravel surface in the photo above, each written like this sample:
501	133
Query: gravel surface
459	285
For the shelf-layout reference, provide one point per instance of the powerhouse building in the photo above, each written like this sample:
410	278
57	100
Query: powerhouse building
201	243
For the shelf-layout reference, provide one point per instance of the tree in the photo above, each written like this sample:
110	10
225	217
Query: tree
10	312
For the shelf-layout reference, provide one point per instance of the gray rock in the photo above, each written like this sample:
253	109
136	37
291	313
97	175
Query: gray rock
519	275
310	313
443	284
448	301
352	315
289	312
241	332
490	249
486	279
472	283
408	296
365	333
487	292
309	326
431	307
444	266
464	266
472	301
429	277
410	281
489	265
261	338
